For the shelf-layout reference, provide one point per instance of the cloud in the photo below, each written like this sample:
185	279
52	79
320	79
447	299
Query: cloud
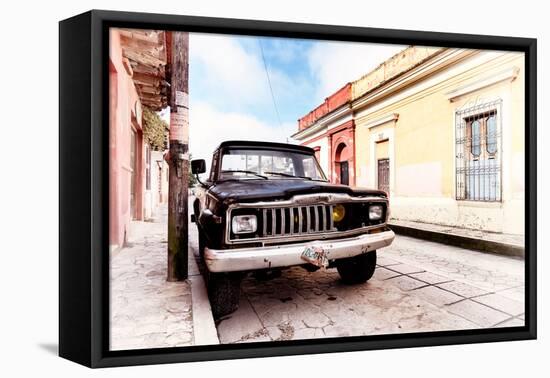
231	68
208	127
284	50
223	67
229	91
336	63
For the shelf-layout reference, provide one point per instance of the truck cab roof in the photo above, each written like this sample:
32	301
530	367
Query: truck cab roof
264	145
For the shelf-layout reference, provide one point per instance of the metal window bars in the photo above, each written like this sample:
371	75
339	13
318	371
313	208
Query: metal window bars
479	152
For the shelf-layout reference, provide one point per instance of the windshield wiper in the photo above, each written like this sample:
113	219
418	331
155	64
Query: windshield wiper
247	172
287	175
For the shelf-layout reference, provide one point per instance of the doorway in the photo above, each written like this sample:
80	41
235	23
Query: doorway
384	175
342	159
344	173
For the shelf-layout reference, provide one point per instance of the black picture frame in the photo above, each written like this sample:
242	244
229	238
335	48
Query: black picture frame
84	193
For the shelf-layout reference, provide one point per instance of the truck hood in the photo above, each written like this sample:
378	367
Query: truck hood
280	189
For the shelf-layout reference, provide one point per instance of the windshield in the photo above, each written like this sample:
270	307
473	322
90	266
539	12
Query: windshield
269	164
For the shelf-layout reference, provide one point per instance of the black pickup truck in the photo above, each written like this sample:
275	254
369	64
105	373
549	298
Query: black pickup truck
268	206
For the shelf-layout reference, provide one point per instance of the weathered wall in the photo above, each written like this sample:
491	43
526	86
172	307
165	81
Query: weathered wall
123	98
159	179
331	103
322	144
345	136
393	67
421	139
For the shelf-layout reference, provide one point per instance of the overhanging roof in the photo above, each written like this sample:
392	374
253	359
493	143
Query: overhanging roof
146	57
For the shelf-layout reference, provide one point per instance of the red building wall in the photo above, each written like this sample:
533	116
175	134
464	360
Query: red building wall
342	149
331	103
124	117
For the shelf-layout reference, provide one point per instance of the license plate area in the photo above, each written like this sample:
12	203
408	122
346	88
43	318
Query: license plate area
315	255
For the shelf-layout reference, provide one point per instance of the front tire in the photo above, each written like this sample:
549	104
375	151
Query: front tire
357	269
202	243
224	291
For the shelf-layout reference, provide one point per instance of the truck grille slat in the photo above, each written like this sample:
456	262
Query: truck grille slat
329	216
283	231
316	217
264	217
273	223
296	220
308	217
323	218
300	220
291	210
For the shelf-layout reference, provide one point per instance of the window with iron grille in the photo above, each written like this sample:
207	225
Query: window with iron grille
478	152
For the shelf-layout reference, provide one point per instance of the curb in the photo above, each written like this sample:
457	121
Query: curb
462	241
204	328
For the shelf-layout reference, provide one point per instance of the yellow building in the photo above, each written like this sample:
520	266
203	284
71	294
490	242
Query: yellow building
442	131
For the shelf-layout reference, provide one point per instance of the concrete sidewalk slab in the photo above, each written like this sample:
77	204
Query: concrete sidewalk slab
146	310
504	244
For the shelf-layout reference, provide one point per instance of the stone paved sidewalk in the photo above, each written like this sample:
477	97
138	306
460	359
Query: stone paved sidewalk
146	310
518	240
494	242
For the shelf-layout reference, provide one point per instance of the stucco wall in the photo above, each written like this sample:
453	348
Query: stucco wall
393	67
422	144
331	103
324	161
123	98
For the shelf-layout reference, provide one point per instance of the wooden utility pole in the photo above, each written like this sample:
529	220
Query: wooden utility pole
178	55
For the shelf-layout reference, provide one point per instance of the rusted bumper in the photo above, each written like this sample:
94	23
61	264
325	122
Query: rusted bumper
243	259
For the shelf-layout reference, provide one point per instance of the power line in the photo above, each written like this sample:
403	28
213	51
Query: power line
269	82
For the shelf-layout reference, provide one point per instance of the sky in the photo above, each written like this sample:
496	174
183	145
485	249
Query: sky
229	84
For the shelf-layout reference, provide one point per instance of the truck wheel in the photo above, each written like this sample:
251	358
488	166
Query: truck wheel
202	243
224	290
357	269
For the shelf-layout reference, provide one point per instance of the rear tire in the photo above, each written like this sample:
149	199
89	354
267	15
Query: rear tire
224	291
357	269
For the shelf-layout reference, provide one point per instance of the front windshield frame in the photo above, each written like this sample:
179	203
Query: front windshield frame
295	155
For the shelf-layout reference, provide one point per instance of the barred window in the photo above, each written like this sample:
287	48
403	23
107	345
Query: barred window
478	152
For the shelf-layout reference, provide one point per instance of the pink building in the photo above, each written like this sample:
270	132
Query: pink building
330	130
137	66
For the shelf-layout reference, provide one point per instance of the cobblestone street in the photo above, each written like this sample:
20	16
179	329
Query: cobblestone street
418	286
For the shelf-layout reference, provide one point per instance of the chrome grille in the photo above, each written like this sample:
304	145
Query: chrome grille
296	220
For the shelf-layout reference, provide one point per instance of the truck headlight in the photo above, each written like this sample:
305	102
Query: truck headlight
244	224
375	212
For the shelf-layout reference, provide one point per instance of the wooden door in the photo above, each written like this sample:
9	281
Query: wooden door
384	175
344	173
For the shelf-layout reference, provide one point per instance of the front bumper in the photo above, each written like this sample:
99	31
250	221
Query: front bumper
243	259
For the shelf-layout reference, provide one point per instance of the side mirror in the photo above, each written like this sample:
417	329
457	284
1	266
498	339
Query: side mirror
198	166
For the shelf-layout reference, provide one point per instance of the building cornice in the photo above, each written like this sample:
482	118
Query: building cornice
323	122
507	75
382	120
438	62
